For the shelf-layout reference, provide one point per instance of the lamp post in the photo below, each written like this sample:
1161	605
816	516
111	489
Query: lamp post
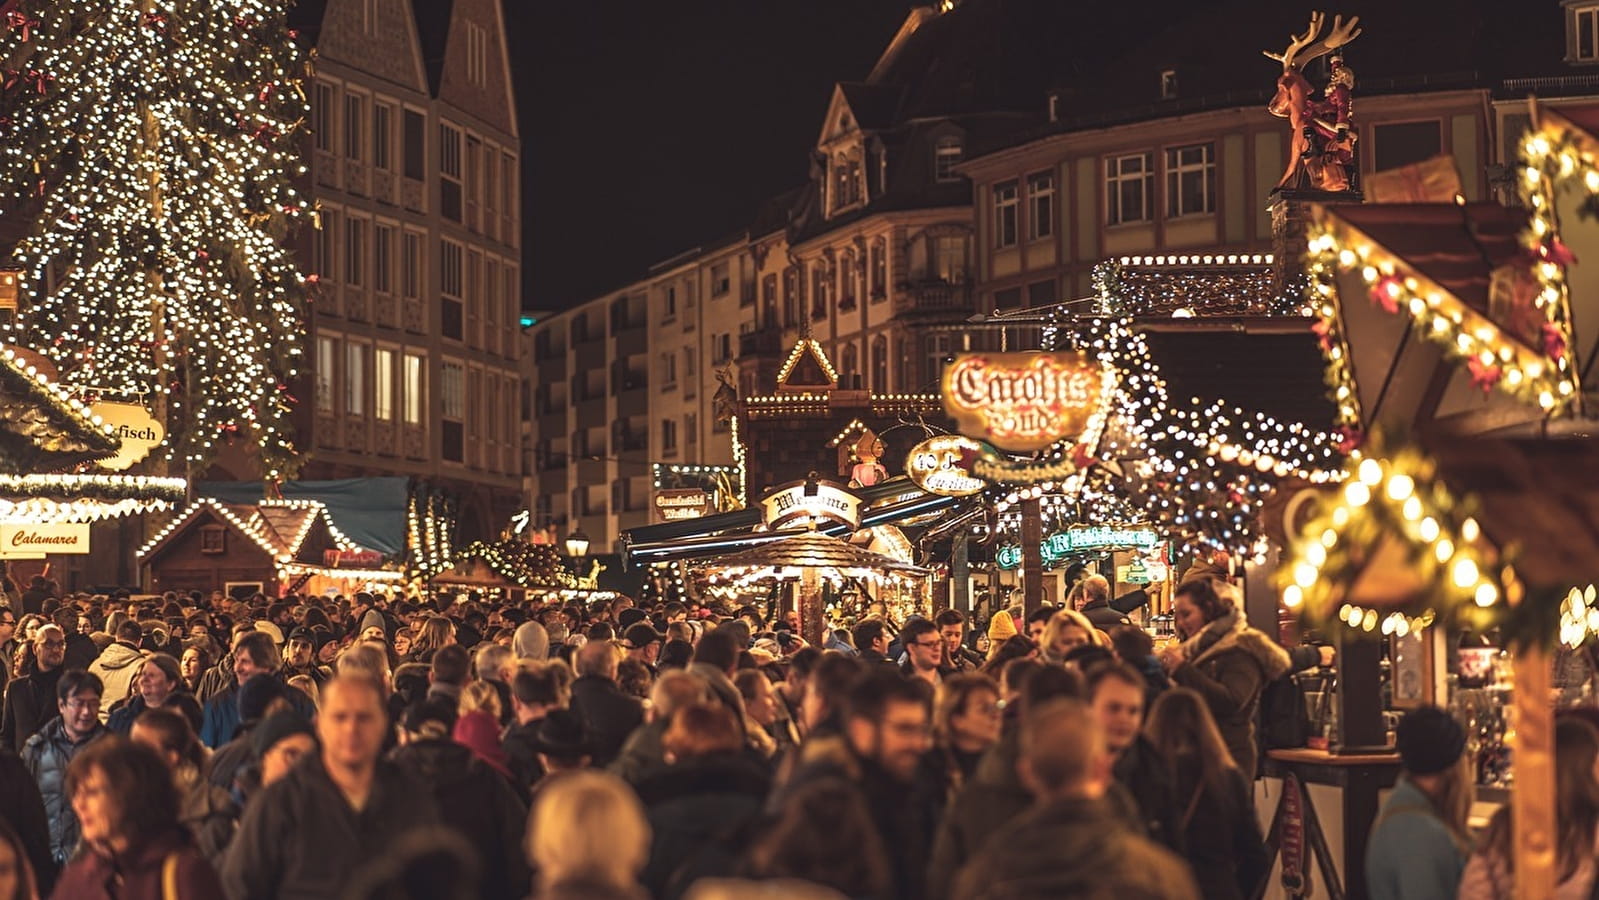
577	546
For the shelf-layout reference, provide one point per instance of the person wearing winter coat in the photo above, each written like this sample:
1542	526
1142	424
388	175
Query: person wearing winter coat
1070	843
118	664
1225	660
159	683
608	714
31	700
48	753
254	654
472	797
207	811
702	802
1420	841
22	810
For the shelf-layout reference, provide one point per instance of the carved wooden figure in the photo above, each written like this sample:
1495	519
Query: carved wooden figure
1323	149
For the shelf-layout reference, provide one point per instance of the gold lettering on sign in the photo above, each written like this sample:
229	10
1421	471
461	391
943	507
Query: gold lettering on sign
1024	401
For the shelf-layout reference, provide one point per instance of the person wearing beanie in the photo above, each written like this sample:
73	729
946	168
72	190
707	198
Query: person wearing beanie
1001	628
1419	843
279	742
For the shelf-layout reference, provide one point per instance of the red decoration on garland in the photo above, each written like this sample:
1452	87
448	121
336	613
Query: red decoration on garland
155	20
1386	292
1484	375
1554	341
1554	250
1349	439
1323	333
22	22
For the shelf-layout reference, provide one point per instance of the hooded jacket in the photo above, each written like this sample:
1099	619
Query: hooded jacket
1073	848
476	801
530	641
117	666
47	755
1228	663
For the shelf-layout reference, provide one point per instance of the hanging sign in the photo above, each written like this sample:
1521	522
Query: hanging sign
810	501
673	504
1109	537
1025	401
352	559
938	465
135	427
34	541
1053	550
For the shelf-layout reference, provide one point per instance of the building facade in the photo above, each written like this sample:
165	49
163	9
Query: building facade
413	344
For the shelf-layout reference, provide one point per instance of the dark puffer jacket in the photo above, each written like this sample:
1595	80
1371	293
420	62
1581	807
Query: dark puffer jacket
47	755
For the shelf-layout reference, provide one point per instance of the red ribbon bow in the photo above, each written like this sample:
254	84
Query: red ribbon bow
155	20
1484	375
1348	439
1555	250
1323	332
1386	292
1554	341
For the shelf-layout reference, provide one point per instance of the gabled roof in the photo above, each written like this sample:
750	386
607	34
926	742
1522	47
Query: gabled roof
873	105
807	366
42	427
278	527
1456	246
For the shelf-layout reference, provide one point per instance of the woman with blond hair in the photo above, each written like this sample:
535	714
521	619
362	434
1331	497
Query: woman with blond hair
587	839
1220	834
433	634
1065	631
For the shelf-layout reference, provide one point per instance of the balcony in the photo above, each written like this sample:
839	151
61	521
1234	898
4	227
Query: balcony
765	342
933	297
632	341
633	401
592	413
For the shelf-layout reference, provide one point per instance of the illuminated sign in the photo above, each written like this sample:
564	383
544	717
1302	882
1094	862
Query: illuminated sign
815	501
674	504
937	465
34	541
1108	537
1061	545
133	425
1025	401
352	559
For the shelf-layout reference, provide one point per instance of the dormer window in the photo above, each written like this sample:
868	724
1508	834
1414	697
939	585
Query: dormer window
1582	32
946	156
1168	84
846	181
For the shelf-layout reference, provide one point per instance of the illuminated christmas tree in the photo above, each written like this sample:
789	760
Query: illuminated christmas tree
151	147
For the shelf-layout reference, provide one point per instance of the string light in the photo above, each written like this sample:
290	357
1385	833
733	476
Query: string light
160	149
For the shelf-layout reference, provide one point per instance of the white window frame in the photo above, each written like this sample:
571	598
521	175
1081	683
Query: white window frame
1040	193
383	116
355	125
1592	27
415	397
452	390
948	152
1007	211
1116	174
452	269
383	257
1177	168
357	356
383	372
327	361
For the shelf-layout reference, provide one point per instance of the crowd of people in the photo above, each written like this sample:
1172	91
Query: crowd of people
194	746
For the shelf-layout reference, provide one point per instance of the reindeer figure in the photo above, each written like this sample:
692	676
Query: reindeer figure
1323	148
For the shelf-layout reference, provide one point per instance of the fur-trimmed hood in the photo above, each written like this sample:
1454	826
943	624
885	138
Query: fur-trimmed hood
1237	635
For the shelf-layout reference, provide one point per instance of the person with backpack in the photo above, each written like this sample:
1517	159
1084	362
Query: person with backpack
1420	841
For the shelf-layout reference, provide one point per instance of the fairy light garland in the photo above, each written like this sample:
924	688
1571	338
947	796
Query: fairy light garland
1460	576
1579	616
1555	153
167	274
801	347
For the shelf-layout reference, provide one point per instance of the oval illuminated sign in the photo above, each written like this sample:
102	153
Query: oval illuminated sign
938	465
1025	401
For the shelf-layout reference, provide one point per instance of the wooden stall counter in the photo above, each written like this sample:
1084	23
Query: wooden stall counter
1322	806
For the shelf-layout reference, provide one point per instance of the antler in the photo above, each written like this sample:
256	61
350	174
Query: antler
1304	48
1298	42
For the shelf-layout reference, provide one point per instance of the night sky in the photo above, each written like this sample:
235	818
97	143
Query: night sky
651	127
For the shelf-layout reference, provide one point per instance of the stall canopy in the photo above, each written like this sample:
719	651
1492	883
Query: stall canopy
369	511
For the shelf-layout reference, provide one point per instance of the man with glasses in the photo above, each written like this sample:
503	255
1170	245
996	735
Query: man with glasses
31	699
48	754
924	652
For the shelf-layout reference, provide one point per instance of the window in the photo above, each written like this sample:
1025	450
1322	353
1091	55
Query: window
383	384
1009	298
1041	293
1587	22
1129	189
213	539
1040	205
879	286
327	355
846	181
383	258
411	265
1005	214
846	280
453	388
1168	84
355	252
691	429
949	258
415	149
819	291
327	241
668	371
849	371
721	347
322	115
1402	143
668	435
689	366
382	135
880	364
791	296
355	379
940	349
450	172
415	390
768	300
720	283
450	286
946	156
354	126
669	303
1190	180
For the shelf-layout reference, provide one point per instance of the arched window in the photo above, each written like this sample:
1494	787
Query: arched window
849	358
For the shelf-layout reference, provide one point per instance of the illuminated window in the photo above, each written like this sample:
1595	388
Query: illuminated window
415	389
355	356
946	156
383	385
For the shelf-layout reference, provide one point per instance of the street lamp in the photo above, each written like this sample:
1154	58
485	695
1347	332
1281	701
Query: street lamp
577	546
